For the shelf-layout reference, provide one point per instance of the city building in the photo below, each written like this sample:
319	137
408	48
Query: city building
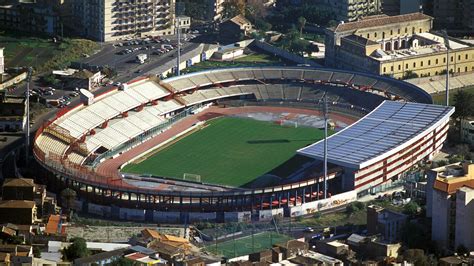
450	204
467	130
235	28
12	113
2	62
387	223
30	17
400	7
110	20
217	9
17	211
184	23
398	46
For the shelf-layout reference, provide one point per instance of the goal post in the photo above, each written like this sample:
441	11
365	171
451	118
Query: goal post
192	177
289	123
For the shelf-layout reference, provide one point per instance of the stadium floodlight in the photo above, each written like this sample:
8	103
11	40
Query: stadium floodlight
446	44
27	131
325	113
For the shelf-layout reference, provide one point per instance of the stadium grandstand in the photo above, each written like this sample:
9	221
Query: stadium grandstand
80	139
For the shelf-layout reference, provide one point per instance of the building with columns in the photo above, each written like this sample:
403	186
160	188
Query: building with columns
395	46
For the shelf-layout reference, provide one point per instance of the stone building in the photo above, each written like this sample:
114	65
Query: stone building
395	46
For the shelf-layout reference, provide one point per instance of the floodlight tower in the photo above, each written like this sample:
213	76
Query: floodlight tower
178	58
446	43
325	113
27	131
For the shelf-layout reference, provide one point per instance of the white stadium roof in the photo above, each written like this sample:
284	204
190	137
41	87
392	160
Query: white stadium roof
389	128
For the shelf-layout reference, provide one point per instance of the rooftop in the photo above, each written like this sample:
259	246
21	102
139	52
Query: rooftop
378	21
454	176
388	129
240	20
19	182
17	204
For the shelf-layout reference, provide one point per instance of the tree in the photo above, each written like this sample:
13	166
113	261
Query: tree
411	208
301	24
68	196
233	8
409	74
414	235
77	249
464	104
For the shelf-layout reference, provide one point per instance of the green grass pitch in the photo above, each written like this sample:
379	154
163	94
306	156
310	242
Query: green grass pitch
229	151
243	246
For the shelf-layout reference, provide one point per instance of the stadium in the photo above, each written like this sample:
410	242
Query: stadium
237	144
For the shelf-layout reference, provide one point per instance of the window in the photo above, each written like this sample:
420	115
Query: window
429	62
452	58
384	70
391	68
466	57
391	32
414	64
400	67
398	31
421	63
465	69
406	30
444	60
459	57
436	61
413	30
383	35
368	35
420	30
406	66
375	35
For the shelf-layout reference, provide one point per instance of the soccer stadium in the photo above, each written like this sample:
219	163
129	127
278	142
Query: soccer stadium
238	144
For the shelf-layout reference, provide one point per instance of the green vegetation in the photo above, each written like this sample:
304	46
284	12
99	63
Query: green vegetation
336	219
440	98
248	60
247	245
42	53
228	151
78	249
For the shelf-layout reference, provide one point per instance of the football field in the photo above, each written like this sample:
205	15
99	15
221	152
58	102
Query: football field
229	151
247	245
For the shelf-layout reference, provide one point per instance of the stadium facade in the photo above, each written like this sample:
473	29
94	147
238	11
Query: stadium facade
401	129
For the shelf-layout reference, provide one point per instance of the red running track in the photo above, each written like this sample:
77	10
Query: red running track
110	167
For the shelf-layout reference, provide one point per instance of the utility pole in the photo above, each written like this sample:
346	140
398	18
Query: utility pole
178	31
27	131
446	43
325	113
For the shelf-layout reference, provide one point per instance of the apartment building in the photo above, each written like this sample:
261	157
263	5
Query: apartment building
109	20
400	7
450	204
467	130
394	46
35	18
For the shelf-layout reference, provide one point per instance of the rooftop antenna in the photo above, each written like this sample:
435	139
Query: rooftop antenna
446	43
325	113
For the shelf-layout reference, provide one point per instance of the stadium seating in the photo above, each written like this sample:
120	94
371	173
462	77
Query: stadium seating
341	77
76	158
51	144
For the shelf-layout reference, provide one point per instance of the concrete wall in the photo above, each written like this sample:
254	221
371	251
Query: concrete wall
440	218
99	210
464	218
166	217
13	81
324	204
131	214
267	215
237	216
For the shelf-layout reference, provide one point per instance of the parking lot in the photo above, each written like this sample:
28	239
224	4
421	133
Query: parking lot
122	56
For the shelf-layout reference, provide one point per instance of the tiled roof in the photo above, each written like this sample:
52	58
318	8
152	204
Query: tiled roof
379	21
17	204
240	20
19	182
359	39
